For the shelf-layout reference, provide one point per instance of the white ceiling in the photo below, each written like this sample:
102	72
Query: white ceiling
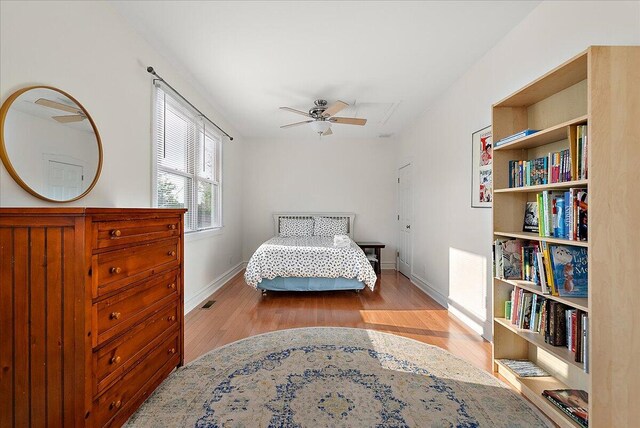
255	56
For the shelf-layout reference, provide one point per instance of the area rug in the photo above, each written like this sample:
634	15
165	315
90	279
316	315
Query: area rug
333	377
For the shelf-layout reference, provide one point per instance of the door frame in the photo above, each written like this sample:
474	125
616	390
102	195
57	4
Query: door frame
410	208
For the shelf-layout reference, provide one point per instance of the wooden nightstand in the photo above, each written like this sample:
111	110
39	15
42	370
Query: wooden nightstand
376	246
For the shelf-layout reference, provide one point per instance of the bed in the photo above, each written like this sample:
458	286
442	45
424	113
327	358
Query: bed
297	259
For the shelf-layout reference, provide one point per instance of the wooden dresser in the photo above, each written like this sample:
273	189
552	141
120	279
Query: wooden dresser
91	312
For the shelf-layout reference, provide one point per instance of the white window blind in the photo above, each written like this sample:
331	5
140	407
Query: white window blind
187	161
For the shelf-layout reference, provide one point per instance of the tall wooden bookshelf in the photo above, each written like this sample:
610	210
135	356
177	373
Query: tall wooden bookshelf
599	87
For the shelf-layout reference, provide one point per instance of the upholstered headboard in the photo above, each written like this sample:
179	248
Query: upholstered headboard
349	216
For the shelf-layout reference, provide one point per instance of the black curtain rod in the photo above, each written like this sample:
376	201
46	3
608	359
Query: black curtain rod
152	71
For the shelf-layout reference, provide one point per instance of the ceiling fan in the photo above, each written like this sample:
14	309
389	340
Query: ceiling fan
79	116
321	117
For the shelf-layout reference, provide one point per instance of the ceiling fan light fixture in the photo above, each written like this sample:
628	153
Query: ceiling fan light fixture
320	126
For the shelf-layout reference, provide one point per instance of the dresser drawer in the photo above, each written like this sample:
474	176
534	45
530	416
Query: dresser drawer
118	356
136	383
125	232
120	312
115	269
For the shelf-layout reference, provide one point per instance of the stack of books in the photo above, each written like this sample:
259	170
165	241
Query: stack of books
515	137
582	168
559	270
560	324
574	402
563	214
553	168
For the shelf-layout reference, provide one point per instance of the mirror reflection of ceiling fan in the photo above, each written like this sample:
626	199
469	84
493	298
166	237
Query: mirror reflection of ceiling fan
79	116
321	117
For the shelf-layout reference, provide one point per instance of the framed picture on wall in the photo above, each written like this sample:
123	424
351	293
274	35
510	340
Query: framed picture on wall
481	158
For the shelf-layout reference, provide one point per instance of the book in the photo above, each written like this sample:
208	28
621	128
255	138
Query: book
541	273
585	342
515	297
582	217
512	259
570	270
573	326
567	215
577	343
514	137
573	402
530	223
559	227
557	328
538	313
525	321
547	269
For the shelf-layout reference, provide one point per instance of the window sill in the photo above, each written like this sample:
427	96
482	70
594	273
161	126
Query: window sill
202	234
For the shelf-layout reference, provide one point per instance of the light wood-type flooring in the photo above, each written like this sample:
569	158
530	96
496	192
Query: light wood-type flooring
396	306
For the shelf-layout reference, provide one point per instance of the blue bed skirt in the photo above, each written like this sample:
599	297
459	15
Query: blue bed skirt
280	283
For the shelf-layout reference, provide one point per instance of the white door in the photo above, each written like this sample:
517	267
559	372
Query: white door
64	180
404	220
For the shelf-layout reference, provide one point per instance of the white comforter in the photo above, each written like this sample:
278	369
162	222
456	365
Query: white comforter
312	256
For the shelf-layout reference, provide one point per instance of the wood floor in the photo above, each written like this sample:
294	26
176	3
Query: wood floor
396	306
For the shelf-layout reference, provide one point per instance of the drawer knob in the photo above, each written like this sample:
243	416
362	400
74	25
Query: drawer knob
114	315
115	359
115	270
172	350
115	404
172	286
172	227
116	232
171	253
171	318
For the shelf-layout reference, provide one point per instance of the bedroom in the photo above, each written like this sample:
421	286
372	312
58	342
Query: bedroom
425	75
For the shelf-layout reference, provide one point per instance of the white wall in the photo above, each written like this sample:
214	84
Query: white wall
452	241
88	50
321	175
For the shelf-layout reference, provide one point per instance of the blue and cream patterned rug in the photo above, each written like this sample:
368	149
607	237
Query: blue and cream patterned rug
333	377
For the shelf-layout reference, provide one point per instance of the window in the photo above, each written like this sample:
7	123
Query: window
188	160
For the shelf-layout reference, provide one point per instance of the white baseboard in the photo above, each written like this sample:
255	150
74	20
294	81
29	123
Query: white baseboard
213	286
428	289
446	303
388	266
468	321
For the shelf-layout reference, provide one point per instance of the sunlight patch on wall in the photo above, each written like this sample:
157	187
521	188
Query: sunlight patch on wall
468	281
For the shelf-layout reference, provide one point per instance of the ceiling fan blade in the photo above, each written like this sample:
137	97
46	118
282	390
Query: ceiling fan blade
56	105
292	110
334	108
327	132
68	119
348	120
296	124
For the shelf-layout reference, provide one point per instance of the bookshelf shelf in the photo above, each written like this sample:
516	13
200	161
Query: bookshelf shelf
597	88
575	302
562	77
542	187
544	137
535	237
560	352
532	387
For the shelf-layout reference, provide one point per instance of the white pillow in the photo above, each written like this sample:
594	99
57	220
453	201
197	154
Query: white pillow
290	227
325	226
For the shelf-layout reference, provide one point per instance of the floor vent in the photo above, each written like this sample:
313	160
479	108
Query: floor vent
208	304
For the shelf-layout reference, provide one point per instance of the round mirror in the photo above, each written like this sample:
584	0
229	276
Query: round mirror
49	144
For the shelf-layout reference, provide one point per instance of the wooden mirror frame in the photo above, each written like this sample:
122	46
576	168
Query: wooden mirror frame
4	155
